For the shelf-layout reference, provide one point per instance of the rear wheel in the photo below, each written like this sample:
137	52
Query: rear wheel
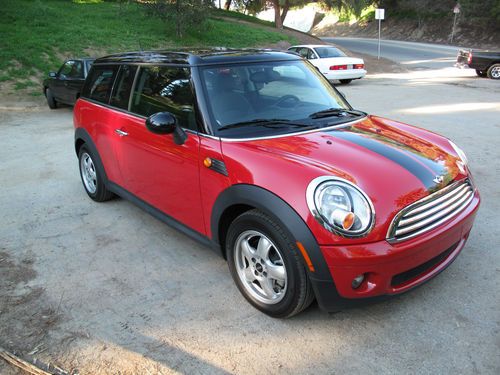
91	178
481	73
345	81
266	267
50	99
494	71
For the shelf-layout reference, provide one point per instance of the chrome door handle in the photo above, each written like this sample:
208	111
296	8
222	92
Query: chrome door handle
121	133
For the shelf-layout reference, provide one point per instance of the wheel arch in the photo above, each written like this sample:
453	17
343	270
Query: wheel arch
82	137
239	198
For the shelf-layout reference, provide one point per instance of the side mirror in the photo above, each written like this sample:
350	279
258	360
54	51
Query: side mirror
166	123
52	74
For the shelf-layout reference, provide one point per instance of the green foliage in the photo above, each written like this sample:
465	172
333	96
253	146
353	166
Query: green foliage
185	14
484	10
250	6
348	9
479	12
36	35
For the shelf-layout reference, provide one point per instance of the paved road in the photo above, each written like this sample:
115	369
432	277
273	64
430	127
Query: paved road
413	55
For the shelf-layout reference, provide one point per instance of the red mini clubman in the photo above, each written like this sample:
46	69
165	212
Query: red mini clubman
255	154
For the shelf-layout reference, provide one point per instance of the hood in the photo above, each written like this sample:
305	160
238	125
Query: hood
374	144
394	164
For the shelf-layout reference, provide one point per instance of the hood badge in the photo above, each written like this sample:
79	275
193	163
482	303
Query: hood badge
438	179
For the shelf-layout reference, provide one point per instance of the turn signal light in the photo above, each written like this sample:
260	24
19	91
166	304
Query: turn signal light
469	59
338	67
344	219
359	66
207	162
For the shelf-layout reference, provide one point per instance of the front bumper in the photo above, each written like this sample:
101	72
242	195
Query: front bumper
391	269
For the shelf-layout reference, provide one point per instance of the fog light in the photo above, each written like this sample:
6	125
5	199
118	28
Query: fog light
357	281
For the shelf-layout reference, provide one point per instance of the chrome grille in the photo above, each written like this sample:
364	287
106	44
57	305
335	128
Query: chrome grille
430	211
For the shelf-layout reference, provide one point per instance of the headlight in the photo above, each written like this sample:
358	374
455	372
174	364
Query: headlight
340	206
459	152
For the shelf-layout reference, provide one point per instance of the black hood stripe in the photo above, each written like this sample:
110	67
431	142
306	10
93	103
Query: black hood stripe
424	169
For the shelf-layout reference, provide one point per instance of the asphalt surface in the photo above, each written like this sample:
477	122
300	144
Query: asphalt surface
106	288
412	55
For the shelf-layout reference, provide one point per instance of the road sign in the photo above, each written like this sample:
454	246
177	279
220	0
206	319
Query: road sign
456	9
379	14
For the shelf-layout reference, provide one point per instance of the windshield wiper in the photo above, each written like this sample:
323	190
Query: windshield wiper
339	112
275	122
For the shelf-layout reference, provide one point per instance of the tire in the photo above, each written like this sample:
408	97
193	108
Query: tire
494	71
481	73
272	278
345	81
50	99
92	180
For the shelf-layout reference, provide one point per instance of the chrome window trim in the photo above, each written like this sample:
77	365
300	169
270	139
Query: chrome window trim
311	204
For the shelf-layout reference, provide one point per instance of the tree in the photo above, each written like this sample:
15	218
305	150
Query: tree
281	8
277	14
185	14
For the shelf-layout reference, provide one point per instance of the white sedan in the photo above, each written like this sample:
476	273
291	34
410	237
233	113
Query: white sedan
332	62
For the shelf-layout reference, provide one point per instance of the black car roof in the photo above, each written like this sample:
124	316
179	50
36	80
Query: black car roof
199	56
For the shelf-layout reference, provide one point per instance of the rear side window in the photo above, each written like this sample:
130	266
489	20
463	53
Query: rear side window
123	85
165	89
99	83
325	52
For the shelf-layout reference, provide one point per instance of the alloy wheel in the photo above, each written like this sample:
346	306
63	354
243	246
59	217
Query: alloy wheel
260	267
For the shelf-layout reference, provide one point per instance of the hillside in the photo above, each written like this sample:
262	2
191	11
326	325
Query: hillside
477	23
38	35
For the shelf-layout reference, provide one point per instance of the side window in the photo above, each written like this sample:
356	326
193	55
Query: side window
165	89
123	85
99	83
65	69
310	54
71	69
303	52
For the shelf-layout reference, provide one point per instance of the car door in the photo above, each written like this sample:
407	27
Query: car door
100	119
58	84
156	169
73	81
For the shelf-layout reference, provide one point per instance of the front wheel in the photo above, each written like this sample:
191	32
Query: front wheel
494	71
266	267
345	81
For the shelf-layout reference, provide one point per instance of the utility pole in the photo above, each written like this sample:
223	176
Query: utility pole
456	11
379	15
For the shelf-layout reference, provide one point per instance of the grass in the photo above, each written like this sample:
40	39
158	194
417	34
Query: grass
37	35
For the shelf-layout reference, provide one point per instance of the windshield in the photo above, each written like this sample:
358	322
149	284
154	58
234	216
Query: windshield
324	52
261	93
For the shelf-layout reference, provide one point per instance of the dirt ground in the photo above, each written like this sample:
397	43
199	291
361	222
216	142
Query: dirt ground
108	289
